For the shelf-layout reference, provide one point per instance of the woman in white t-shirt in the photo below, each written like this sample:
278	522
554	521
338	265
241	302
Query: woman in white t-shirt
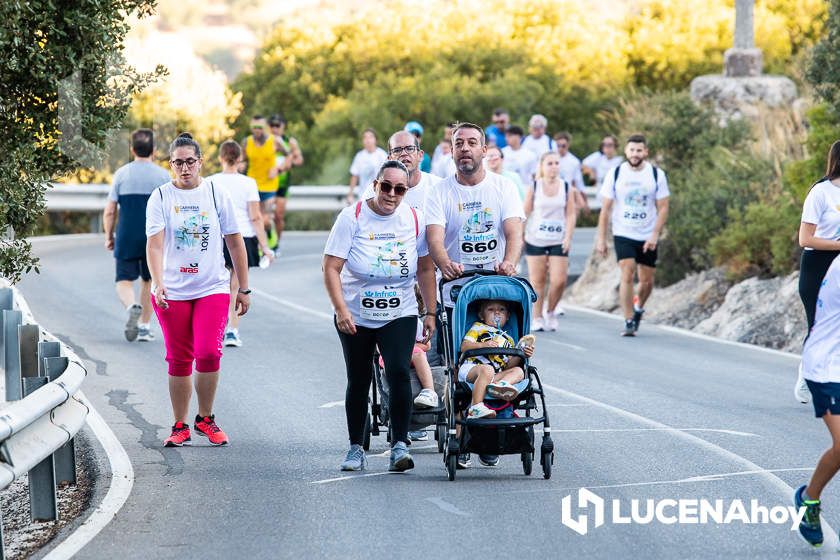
245	197
597	164
186	222
375	251
819	235
365	164
548	238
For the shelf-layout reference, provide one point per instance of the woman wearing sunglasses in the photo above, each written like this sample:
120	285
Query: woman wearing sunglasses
187	220
375	250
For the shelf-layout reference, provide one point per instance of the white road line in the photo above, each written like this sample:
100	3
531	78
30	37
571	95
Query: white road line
340	478
332	404
566	344
292	305
692	334
829	548
122	480
447	507
714	430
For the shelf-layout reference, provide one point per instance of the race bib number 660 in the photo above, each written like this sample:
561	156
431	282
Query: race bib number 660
478	248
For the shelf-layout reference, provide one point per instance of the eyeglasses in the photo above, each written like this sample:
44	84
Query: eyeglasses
562	145
386	187
403	149
257	126
181	163
608	145
275	125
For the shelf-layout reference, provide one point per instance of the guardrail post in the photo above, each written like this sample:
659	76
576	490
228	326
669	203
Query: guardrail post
28	336
96	222
64	458
47	350
11	352
43	504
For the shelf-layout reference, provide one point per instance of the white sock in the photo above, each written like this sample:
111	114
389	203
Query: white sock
142	325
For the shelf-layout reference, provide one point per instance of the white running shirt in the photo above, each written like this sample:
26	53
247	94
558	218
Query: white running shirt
473	216
570	170
242	190
365	165
547	223
522	162
822	208
381	252
601	164
193	265
821	354
635	195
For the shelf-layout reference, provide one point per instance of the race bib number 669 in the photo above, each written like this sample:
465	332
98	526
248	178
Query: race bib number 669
381	304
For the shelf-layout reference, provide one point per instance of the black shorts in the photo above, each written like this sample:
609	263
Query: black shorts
551	250
825	396
252	250
631	249
132	269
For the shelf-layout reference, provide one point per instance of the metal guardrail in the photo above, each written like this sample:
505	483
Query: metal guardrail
42	413
91	199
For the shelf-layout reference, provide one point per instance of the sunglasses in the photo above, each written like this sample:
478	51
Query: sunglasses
387	187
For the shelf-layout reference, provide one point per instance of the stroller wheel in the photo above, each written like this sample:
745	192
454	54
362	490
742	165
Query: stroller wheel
527	462
452	465
440	436
366	440
546	460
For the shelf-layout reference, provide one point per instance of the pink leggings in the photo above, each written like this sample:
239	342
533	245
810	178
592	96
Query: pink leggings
193	330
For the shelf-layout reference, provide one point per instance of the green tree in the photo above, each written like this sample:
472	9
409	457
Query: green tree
823	70
64	86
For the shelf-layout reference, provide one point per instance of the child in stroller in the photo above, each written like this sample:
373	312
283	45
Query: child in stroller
493	376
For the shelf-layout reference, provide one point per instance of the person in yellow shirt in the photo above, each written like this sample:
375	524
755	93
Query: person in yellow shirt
259	161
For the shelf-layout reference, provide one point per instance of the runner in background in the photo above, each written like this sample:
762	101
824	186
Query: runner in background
130	190
570	170
495	133
245	198
365	165
495	162
537	140
598	164
635	197
442	163
259	162
289	155
517	159
416	129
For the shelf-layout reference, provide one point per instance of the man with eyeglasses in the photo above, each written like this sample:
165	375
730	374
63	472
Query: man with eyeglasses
133	183
495	133
259	161
570	169
597	165
404	147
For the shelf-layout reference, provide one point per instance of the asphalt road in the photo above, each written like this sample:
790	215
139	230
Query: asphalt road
660	416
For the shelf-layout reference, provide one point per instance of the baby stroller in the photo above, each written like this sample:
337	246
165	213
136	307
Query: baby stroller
420	418
513	434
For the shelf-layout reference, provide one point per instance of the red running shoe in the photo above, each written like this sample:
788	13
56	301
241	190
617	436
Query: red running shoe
207	427
180	436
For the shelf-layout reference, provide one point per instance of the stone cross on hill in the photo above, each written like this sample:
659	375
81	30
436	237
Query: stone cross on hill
743	59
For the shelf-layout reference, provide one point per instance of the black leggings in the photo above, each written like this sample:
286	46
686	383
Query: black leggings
812	269
396	341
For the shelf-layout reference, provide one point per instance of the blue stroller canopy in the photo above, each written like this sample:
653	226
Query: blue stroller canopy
504	288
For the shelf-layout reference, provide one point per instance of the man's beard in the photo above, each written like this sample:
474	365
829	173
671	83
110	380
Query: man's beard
467	168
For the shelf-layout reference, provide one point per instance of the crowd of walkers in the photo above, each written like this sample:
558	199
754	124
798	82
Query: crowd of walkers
483	197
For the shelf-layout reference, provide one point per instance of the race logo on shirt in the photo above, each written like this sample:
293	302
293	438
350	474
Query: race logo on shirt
391	260
636	198
382	236
193	234
479	222
467	206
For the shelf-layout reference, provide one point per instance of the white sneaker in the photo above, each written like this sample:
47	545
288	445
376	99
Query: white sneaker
537	325
800	390
426	399
551	322
559	311
480	410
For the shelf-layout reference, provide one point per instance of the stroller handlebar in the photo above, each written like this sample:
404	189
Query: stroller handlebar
493	352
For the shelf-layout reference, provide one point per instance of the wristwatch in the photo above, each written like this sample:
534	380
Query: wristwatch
245	292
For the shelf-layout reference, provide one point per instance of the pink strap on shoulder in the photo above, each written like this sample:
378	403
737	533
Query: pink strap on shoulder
358	209
416	223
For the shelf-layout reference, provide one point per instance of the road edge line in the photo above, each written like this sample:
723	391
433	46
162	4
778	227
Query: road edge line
119	488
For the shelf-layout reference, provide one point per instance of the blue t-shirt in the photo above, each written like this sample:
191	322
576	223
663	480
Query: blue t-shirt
493	132
131	187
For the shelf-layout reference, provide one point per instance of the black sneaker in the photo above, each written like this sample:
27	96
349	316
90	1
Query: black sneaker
488	460
629	328
637	317
464	461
